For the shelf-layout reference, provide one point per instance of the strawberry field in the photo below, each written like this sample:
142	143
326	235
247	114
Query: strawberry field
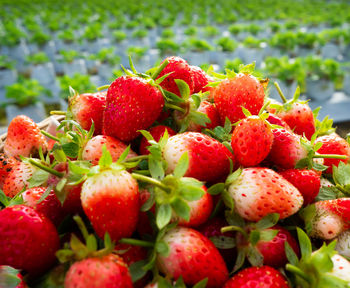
190	144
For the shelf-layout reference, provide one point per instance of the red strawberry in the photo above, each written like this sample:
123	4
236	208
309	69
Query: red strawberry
192	256
24	138
210	110
328	218
132	104
93	148
18	178
286	149
333	144
201	80
28	239
260	191
273	119
157	132
110	200
251	141
208	158
6	165
107	271
273	251
234	93
262	277
179	69
87	108
308	182
50	206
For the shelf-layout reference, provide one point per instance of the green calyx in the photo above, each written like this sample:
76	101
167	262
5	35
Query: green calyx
221	133
287	104
9	276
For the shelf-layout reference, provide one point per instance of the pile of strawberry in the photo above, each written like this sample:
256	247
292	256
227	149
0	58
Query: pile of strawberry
176	178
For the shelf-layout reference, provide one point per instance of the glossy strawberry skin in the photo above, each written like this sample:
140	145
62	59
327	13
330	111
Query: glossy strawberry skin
179	69
29	240
273	119
132	104
201	80
24	138
233	93
87	108
192	256
208	158
6	165
212	113
111	201
308	182
157	132
262	277
300	119
274	251
107	271
333	144
251	141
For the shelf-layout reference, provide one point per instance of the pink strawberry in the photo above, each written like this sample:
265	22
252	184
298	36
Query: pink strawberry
308	182
132	104
179	69
201	80
262	277
157	132
260	191
232	94
251	141
93	148
208	158
28	239
24	138
107	271
192	256
87	108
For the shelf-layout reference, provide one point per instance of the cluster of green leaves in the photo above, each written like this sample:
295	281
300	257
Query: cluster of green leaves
78	81
38	58
106	55
6	63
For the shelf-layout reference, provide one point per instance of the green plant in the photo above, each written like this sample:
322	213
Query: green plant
198	45
92	31
25	92
80	83
210	31
131	24
149	23
38	58
116	74
5	63
190	31
227	44
333	35
167	46
307	40
137	52
275	26
236	29
168	33
40	38
285	41
291	24
141	33
68	56
119	36
67	35
11	35
252	42
106	55
233	64
327	69
253	29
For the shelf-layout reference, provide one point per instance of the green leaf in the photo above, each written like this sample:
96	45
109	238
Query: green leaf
59	155
149	203
91	243
328	193
106	158
290	254
136	270
308	214
199	118
180	283
246	112
79	167
304	244
163	215
254	256
254	237
196	100
234	219
39	178
268	221
162	248
108	241
65	255
3	199
181	208
125	154
45	194
201	284
227	126
216	189
156	168
248	69
182	166
341	174
71	149
8	277
223	242
227	199
239	260
190	189
233	176
268	234
183	88
163	283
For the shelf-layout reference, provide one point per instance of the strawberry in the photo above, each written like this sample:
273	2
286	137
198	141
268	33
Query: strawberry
107	271
93	148
179	69
29	240
24	138
157	132
341	268
260	191
251	141
232	94
273	119
192	256
208	158
88	108
132	104
6	165
264	277
333	144
18	178
201	80
307	181
286	149
50	206
327	219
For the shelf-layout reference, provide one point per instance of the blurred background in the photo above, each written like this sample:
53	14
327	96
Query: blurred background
47	46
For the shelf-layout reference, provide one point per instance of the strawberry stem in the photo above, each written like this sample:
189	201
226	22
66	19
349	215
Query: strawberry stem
284	99
175	107
332	156
136	242
50	135
160	69
81	226
136	158
235	228
102	87
151	181
264	107
297	271
46	168
58	112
